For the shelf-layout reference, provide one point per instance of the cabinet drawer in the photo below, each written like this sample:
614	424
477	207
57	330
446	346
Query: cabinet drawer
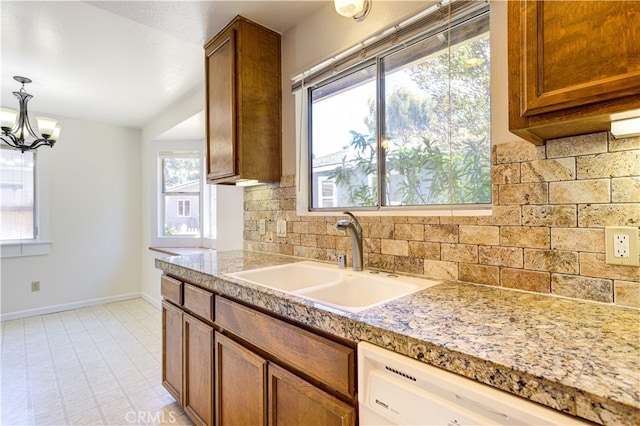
199	301
322	359
171	289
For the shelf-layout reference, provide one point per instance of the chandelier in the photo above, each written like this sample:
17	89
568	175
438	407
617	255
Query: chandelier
16	128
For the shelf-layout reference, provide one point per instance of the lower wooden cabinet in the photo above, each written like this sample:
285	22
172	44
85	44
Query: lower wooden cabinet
293	401
241	384
245	367
187	350
197	399
172	318
253	391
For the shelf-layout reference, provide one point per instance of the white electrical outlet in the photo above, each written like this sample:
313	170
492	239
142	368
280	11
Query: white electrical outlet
281	228
263	226
35	285
621	245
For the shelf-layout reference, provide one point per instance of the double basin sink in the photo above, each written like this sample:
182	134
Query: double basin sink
344	289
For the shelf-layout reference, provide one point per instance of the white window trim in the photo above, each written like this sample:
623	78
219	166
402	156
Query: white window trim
158	240
41	245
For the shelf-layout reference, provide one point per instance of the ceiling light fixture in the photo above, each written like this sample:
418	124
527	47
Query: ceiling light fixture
16	128
356	9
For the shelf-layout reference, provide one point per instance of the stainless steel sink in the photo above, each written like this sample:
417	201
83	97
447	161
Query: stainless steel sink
340	288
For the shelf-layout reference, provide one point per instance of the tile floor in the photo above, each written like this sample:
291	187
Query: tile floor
99	365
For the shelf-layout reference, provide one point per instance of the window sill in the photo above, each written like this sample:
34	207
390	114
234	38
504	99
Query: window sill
442	212
180	251
24	248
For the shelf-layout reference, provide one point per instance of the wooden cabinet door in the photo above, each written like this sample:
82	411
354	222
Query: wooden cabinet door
172	350
243	103
573	66
221	108
241	380
198	370
293	401
577	53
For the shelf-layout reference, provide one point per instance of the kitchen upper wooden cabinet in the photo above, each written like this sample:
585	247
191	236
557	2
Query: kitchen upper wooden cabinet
573	66
243	102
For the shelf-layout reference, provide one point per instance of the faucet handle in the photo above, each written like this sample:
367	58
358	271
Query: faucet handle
355	221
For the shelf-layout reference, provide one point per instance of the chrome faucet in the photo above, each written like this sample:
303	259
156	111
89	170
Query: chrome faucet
356	238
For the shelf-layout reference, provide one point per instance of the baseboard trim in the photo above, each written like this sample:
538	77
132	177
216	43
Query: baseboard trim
155	302
68	306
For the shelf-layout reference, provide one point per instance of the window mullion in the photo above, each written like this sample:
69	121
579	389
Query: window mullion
380	129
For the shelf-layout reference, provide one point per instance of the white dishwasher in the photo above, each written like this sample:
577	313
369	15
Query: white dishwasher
397	390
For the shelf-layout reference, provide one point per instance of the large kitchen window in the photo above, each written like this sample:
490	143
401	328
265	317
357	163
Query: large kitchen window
409	127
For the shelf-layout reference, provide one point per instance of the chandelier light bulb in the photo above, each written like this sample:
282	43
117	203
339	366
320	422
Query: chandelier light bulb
8	118
46	126
56	133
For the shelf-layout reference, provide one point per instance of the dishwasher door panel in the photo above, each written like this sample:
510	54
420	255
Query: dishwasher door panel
394	389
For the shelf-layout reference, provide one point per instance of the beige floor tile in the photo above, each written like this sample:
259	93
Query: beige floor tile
91	416
80	406
117	406
95	365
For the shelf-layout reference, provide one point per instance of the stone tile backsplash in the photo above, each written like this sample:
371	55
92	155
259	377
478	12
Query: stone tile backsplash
546	233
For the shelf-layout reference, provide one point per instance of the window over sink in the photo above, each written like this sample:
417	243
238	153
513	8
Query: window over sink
407	128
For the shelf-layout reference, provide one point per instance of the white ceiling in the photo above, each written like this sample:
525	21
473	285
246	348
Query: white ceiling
119	62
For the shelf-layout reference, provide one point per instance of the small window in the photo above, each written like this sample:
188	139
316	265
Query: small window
18	202
408	128
181	194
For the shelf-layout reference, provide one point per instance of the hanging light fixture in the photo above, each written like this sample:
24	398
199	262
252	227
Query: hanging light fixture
16	128
356	9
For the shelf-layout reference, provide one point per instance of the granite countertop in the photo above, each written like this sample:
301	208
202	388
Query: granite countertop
579	357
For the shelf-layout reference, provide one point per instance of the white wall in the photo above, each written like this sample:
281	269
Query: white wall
229	202
94	216
189	106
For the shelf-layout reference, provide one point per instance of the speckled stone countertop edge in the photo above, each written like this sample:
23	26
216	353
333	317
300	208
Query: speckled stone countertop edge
565	396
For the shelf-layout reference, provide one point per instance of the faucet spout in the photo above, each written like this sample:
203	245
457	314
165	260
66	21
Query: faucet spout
355	230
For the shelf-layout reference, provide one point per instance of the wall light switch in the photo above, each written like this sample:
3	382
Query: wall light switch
281	228
622	245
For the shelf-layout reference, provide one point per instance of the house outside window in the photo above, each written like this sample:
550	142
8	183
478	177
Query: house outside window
408	128
184	208
327	192
181	172
18	199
